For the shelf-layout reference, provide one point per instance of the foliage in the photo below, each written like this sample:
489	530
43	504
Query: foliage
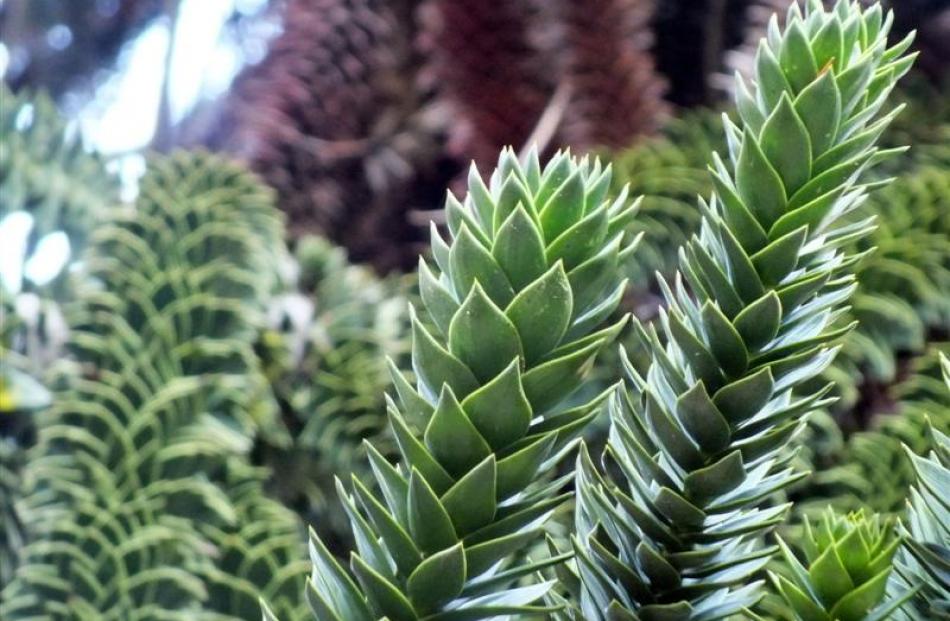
844	573
46	172
901	302
871	469
326	359
925	559
140	501
512	323
698	441
669	171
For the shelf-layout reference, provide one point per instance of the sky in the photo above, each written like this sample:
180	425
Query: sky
121	119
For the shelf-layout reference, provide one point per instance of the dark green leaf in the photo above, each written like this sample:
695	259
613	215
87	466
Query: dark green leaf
436	367
759	322
796	58
387	600
743	398
430	525
471	262
519	249
758	184
724	341
438	580
471	502
819	107
786	145
499	409
774	262
703	420
564	208
541	313
452	438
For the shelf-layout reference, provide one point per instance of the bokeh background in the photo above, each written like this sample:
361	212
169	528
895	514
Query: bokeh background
360	113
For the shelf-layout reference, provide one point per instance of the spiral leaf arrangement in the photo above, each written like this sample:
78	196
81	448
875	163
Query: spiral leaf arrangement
141	503
925	558
697	442
326	358
848	560
514	308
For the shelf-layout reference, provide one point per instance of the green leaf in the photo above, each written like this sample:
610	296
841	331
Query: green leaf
830	578
471	502
471	262
804	607
774	262
479	558
456	215
810	215
482	337
438	580
786	146
702	362
819	107
437	299
435	367
758	184
555	173
581	241
392	484
520	468
564	208
499	409
716	281
796	58
724	341
827	44
742	223
677	509
548	383
519	249
387	600
513	193
590	279
658	570
334	587
430	525
828	180
397	541
741	399
772	82
481	197
717	479
415	454
542	312
673	437
744	277
452	438
703	420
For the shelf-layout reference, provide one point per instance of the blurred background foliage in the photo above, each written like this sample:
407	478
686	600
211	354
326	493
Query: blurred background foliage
358	114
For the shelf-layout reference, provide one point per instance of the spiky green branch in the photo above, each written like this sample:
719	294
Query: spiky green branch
141	502
697	440
513	317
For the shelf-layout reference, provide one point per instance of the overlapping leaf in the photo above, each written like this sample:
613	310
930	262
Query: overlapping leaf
514	305
141	503
698	439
